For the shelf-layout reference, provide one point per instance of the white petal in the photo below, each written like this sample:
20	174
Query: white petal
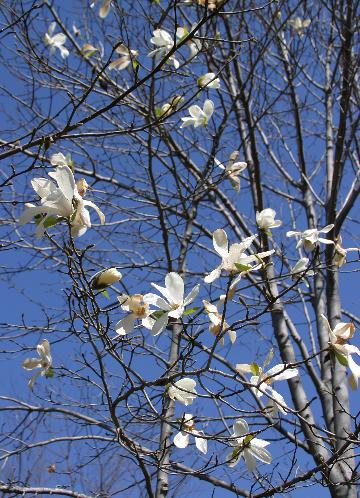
220	242
213	275
326	241
260	453
201	444
98	211
232	336
160	324
175	287
192	295
187	122
181	440
126	325
208	108
156	301
249	460
196	112
65	180
33	379
31	363
240	427
327	229
280	372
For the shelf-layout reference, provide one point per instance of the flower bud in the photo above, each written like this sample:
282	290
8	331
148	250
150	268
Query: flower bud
82	186
105	278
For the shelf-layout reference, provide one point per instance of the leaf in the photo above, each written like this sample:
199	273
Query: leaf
242	267
135	64
158	112
255	369
105	293
50	373
51	221
190	311
248	438
342	359
157	314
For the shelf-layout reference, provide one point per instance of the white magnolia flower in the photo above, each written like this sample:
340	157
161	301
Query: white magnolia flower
183	391
234	259
217	324
340	254
181	439
193	44
139	310
104	278
88	50
299	25
56	41
300	267
209	80
339	336
43	363
248	446
211	4
126	57
167	108
164	43
263	379
311	237
233	169
266	219
60	200
198	116
174	303
104	8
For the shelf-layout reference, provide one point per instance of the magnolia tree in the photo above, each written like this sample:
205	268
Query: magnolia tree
179	180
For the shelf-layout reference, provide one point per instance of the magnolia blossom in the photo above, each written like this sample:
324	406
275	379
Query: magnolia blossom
183	391
266	219
56	41
300	267
43	363
174	303
167	108
211	4
104	278
104	8
263	379
193	44
139	310
299	25
209	80
233	169
310	238
247	446
60	200
198	116
340	253
126	57
217	323
88	50
164	43
181	439
234	259
339	336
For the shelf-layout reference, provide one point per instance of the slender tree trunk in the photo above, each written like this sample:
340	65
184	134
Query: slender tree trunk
162	484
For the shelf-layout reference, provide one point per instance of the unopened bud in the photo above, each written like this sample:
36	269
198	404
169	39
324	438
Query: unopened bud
82	186
105	278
